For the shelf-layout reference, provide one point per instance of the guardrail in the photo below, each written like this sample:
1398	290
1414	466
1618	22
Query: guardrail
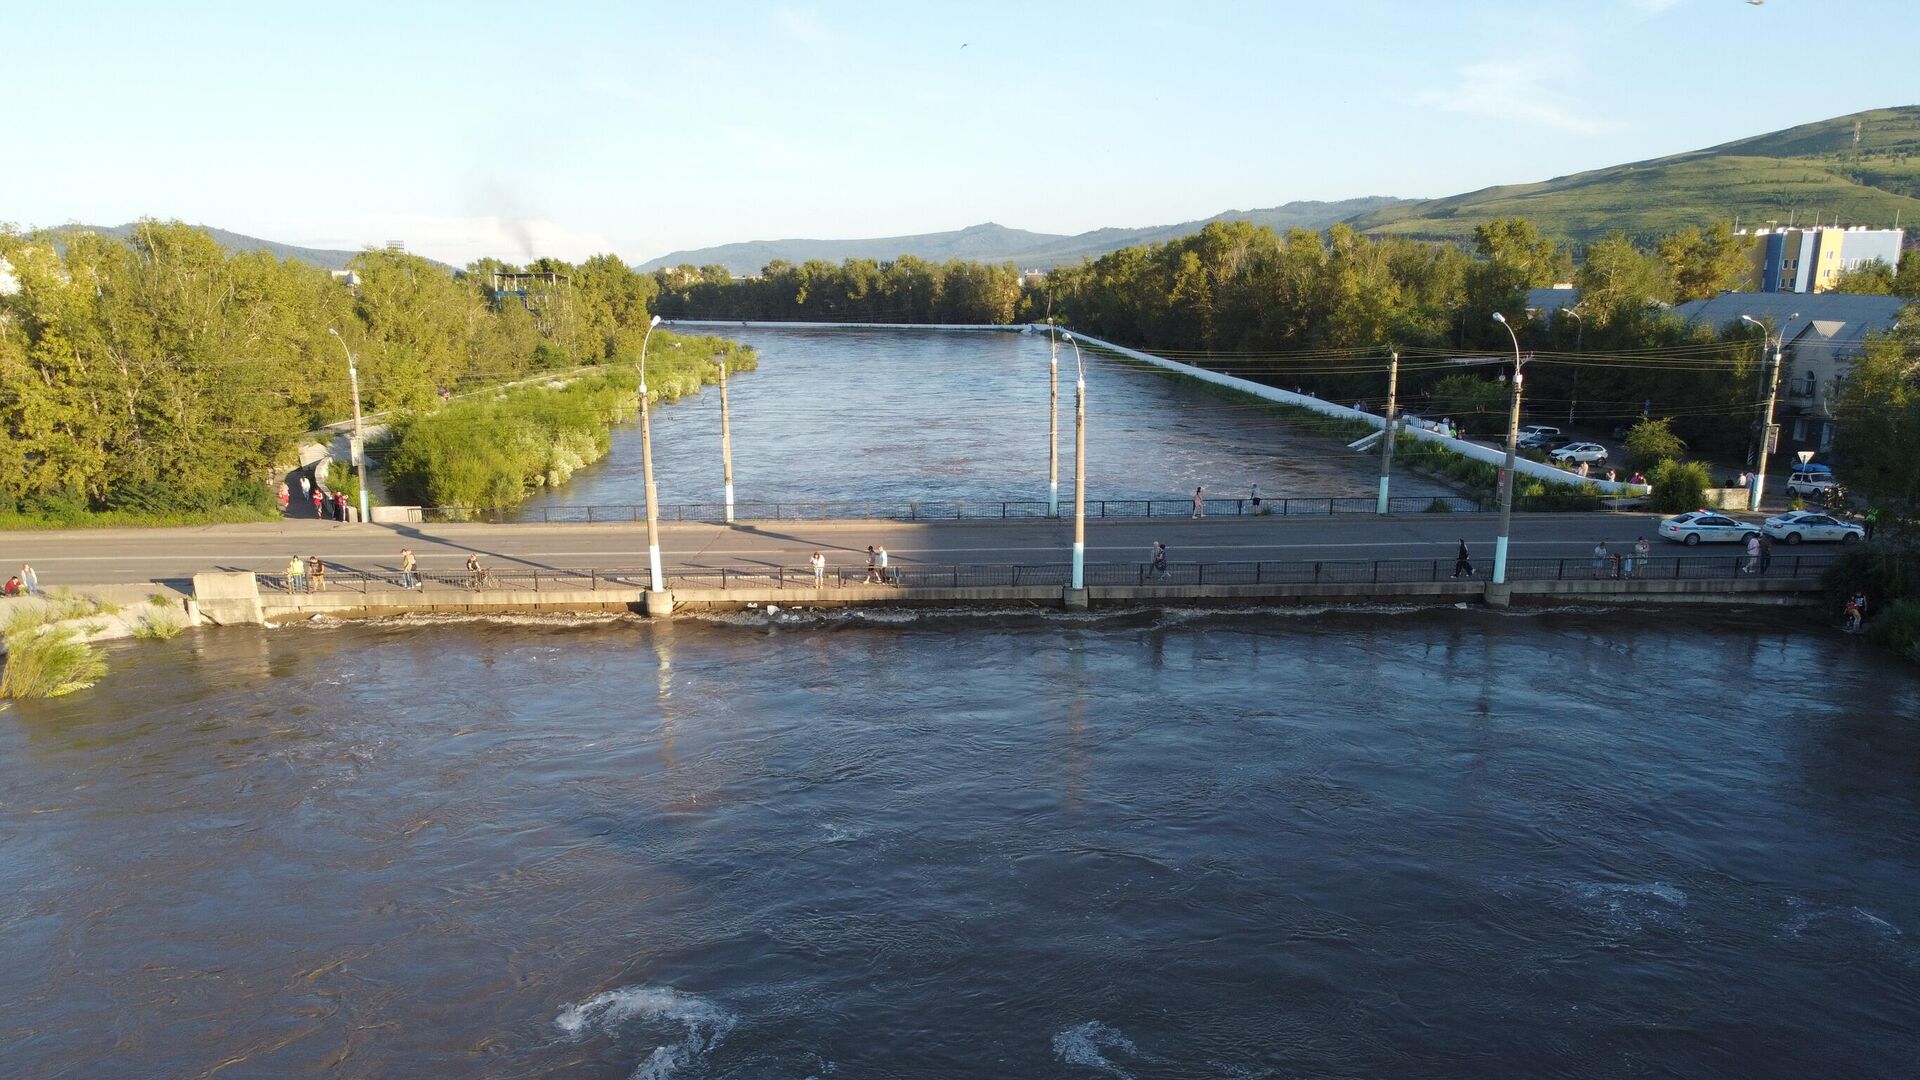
1003	510
1619	567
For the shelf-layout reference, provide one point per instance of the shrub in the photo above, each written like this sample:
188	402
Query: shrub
157	629
1678	486
1897	628
46	662
1439	506
1651	442
1887	572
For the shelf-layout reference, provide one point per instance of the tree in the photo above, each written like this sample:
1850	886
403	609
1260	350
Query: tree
1463	395
1878	445
1651	442
1702	265
1907	282
1875	278
1678	486
1619	283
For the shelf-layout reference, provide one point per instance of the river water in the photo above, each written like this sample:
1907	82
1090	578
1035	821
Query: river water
1370	843
900	415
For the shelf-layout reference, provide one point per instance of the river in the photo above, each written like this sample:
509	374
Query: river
892	416
1368	843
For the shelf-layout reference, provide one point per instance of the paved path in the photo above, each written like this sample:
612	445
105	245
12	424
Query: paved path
105	556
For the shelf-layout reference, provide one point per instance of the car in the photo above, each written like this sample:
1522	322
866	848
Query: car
1812	525
1581	452
1538	429
1705	526
1804	482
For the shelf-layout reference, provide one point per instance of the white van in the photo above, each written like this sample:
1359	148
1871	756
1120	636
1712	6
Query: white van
1816	484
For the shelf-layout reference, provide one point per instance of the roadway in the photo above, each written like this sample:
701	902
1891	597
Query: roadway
119	556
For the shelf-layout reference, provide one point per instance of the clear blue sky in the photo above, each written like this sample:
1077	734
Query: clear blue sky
486	128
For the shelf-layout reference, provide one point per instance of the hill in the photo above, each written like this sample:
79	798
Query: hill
996	243
323	258
1863	167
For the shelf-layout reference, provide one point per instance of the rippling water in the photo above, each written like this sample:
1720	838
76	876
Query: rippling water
1383	844
961	416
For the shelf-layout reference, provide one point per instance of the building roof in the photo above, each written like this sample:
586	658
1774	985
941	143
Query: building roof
1838	322
1547	302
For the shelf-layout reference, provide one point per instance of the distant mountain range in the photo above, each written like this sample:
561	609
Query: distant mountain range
1863	168
997	243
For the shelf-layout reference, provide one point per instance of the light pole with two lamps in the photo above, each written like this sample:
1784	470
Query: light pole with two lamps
359	446
1767	434
1079	580
656	580
1513	452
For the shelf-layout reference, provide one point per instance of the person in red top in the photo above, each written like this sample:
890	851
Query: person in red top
340	506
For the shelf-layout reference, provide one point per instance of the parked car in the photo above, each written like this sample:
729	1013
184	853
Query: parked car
1589	452
1705	526
1538	429
1805	483
1812	525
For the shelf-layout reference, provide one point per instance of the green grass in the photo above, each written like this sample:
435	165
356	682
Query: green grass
127	519
1812	171
149	628
44	661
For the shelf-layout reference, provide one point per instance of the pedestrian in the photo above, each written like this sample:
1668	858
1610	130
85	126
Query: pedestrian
1599	558
1256	498
1584	470
1637	479
1462	560
12	587
819	564
306	486
1160	561
1854	615
1860	601
1641	552
880	559
29	580
1753	553
282	496
1766	552
1199	504
1613	476
340	505
408	580
319	503
873	566
316	575
296	575
1872	519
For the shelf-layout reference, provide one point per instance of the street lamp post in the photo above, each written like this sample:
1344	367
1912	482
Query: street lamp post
1386	431
1079	467
656	582
1771	337
726	440
1579	336
359	447
1053	423
1513	452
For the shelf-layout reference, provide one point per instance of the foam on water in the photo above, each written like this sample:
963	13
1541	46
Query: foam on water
1631	907
1087	1045
705	1024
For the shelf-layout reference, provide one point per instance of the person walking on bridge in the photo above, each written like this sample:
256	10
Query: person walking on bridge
1160	561
296	575
873	567
1462	560
819	564
1199	503
29	580
408	580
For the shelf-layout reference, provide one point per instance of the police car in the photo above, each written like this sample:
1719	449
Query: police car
1705	526
1812	525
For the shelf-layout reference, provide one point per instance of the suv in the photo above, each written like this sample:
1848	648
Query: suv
1538	430
1582	452
1807	482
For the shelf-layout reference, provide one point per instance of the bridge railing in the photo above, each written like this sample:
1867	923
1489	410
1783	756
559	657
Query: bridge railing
1001	510
914	575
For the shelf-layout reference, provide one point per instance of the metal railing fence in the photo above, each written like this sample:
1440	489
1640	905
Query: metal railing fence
1619	567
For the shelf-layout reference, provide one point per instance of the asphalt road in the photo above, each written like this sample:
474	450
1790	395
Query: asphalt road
116	556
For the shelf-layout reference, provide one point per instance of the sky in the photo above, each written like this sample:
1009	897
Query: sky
523	129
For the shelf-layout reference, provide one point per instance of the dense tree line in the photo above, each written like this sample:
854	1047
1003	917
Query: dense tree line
166	375
906	290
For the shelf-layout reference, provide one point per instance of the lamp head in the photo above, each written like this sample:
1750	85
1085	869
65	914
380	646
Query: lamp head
654	322
332	331
1066	335
1749	319
1499	318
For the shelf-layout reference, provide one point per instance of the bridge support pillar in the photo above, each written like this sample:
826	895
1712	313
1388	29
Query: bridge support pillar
658	605
1500	595
1074	599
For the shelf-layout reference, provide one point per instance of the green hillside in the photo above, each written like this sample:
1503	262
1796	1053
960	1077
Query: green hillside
1810	172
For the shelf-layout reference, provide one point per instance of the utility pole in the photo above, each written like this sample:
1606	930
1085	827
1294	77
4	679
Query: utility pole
1772	338
657	580
1079	469
1053	420
726	438
1513	452
1386	432
358	448
1579	336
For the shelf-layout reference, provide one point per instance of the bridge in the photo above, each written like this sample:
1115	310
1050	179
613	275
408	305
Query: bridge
601	567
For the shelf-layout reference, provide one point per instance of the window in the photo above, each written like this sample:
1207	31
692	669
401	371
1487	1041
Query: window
1800	430
1826	437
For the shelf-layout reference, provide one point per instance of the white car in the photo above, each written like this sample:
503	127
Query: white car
1705	526
1812	525
1591	453
1802	484
1538	430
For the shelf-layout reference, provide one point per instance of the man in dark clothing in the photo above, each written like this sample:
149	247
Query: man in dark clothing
1462	561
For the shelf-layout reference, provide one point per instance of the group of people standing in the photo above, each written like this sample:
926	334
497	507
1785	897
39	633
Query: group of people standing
327	505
